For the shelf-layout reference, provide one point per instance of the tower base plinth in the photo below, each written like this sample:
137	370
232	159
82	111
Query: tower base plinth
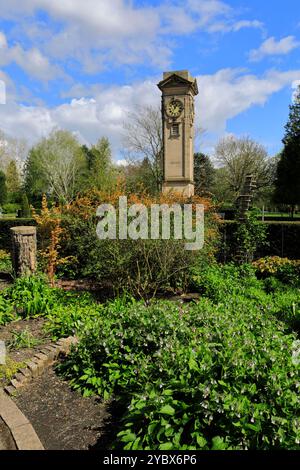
179	187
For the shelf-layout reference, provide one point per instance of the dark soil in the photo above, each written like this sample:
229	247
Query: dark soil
35	327
61	417
100	291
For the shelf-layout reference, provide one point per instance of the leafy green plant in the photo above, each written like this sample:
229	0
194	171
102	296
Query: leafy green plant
31	296
141	267
285	270
218	281
116	351
286	306
212	376
64	321
270	264
11	208
8	370
23	339
6	311
233	387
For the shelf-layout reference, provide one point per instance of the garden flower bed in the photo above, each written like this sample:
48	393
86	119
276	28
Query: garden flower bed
221	372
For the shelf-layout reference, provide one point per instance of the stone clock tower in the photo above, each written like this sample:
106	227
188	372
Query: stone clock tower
178	91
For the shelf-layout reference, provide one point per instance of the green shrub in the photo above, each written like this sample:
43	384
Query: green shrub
282	240
285	270
219	281
5	262
116	353
211	376
10	208
249	236
142	267
272	284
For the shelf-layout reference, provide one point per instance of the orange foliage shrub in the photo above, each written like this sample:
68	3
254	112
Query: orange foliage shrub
50	233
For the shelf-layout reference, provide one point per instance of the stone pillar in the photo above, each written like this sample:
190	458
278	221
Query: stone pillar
178	92
24	250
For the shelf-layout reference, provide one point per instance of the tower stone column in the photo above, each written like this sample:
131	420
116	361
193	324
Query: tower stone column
178	91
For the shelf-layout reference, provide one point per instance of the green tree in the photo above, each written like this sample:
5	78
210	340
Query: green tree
12	177
35	182
3	188
11	149
25	206
139	177
54	166
100	171
221	189
204	174
239	157
287	184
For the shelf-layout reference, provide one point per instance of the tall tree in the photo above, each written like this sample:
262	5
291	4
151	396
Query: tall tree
239	157
287	184
3	188
100	170
11	149
12	177
25	206
204	174
35	182
55	165
143	140
139	177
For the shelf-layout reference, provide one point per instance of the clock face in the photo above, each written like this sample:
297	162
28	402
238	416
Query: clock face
174	108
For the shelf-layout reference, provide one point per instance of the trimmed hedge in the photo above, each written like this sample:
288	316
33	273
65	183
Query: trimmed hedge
5	233
283	239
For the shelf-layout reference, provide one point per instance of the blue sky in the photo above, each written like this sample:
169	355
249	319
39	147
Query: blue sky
84	65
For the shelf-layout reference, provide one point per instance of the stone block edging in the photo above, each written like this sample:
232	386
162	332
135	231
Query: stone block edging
35	366
19	426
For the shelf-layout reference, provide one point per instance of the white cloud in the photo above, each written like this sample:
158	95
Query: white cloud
230	92
222	96
2	92
122	162
247	24
89	118
295	87
271	47
3	42
32	61
115	32
94	33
